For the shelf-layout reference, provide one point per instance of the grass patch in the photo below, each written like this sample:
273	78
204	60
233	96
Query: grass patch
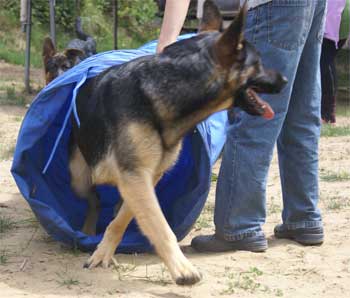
249	281
68	249
3	257
330	176
343	76
342	65
205	220
6	224
123	270
12	97
209	208
214	177
6	151
334	205
13	57
278	292
343	106
246	281
161	280
337	203
202	222
30	222
66	281
126	270
335	131
18	118
273	207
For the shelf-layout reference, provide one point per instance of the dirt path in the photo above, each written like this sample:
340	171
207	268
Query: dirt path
33	265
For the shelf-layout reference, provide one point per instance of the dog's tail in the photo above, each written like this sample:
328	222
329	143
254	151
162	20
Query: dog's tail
79	30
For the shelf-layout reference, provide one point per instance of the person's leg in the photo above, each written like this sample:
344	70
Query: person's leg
332	105
240	195
298	145
333	97
328	80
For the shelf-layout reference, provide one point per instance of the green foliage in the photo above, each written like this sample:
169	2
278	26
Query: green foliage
138	15
142	11
136	25
11	6
64	12
134	17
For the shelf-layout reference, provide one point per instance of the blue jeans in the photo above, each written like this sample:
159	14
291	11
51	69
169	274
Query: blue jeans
288	35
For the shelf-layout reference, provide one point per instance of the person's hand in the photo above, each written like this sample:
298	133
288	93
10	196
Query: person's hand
174	18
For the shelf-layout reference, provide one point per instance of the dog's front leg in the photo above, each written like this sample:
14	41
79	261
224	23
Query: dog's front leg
138	192
111	238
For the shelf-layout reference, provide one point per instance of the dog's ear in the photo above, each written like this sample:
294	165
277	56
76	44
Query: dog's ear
73	55
211	19
229	45
49	50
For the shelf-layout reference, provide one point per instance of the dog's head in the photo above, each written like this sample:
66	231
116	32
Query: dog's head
57	63
241	62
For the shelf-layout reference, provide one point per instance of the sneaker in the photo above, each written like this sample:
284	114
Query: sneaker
304	236
212	243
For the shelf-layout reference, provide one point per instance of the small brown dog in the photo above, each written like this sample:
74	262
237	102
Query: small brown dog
56	63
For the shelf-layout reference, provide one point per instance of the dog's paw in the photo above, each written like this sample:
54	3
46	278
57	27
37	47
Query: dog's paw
101	256
188	280
186	274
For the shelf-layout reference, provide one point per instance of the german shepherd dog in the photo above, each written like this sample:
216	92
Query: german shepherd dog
56	63
133	119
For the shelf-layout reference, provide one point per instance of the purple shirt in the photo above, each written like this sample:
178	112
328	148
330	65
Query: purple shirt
334	12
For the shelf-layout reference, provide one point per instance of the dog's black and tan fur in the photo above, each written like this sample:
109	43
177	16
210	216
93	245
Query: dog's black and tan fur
134	116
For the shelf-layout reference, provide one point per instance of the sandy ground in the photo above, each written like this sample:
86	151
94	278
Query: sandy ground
33	265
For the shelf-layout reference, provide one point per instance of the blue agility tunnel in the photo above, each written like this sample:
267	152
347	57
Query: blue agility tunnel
40	165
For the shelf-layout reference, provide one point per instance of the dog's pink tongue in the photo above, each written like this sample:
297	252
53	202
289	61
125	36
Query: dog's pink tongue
268	111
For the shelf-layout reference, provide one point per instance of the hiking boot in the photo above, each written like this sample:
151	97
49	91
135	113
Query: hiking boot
304	236
212	243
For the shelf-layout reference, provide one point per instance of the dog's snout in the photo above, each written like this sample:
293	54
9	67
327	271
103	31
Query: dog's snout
269	81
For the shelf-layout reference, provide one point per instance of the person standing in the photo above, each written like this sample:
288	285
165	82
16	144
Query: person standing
336	33
288	34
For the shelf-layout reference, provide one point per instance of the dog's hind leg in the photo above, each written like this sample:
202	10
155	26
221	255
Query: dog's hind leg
93	212
82	185
111	238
